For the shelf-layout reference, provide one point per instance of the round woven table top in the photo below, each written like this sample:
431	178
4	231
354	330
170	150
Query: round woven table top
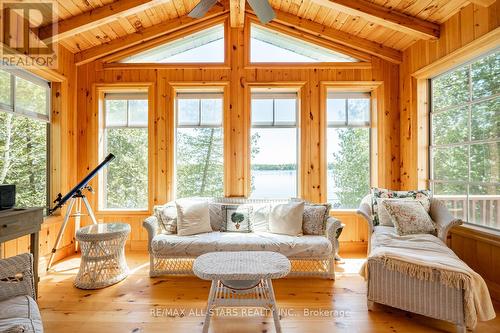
241	265
102	231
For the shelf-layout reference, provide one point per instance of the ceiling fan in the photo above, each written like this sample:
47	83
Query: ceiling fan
262	9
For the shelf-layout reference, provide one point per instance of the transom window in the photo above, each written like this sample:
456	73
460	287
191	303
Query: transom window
199	143
348	148
24	136
465	140
267	45
124	183
206	46
274	143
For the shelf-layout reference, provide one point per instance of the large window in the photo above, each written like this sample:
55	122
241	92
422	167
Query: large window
274	143
125	181
465	140
348	148
24	126
199	144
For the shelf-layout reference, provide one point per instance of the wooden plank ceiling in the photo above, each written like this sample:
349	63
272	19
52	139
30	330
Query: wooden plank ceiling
126	19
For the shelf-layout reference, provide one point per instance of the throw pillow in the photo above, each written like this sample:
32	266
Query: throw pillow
424	196
237	218
314	219
286	218
192	217
409	217
260	217
167	218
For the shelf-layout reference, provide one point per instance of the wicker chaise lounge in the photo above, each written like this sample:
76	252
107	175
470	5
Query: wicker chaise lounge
393	288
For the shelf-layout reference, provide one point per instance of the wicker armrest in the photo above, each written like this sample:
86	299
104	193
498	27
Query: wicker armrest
152	227
365	210
332	227
443	218
16	276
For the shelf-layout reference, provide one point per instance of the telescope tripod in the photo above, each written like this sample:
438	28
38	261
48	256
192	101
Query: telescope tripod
77	199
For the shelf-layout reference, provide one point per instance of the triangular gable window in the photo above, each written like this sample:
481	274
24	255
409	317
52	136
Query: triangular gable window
206	46
267	45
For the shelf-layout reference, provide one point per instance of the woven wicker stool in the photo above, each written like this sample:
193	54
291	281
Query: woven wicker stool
241	279
103	255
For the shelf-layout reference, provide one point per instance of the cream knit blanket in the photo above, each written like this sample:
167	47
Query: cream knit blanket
418	255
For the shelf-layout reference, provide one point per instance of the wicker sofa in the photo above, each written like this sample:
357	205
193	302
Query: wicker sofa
18	309
171	254
428	298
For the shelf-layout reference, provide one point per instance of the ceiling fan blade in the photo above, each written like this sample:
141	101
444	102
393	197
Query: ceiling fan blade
263	10
202	8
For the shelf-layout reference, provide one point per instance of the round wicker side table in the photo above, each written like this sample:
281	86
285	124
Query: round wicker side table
241	279
103	255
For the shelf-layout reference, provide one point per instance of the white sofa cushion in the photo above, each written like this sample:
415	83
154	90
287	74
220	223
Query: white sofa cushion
20	311
192	217
307	247
286	219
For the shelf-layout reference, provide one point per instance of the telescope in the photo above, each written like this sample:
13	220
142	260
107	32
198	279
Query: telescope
76	196
60	200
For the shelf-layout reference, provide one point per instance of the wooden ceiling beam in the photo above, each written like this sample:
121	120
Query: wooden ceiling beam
93	18
237	13
340	37
145	35
385	17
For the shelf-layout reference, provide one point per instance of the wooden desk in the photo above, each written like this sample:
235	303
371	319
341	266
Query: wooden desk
18	222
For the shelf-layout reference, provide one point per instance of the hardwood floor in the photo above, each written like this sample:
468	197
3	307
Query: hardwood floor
176	304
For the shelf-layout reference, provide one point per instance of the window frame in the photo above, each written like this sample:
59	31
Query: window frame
204	90
345	93
13	109
100	90
468	143
277	91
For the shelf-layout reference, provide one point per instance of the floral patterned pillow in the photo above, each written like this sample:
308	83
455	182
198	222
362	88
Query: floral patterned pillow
423	196
409	217
314	218
167	218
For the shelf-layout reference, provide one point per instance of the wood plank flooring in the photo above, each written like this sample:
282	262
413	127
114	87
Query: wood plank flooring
177	304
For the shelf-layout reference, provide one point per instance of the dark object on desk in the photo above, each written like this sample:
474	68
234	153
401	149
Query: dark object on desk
18	222
7	196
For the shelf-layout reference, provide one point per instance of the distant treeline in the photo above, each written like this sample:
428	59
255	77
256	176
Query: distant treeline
273	167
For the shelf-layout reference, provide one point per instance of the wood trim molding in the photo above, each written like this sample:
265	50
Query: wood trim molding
478	233
384	16
483	3
483	44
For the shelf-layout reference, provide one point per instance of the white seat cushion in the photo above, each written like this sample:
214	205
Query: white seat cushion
20	311
313	247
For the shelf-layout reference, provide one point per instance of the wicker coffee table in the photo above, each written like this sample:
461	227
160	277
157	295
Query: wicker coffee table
103	255
241	279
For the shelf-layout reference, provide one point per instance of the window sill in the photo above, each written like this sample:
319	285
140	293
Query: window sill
343	211
124	212
478	233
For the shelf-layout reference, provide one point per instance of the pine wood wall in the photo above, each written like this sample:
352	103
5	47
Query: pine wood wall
461	36
239	78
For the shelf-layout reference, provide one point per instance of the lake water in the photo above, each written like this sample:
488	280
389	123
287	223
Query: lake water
279	183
